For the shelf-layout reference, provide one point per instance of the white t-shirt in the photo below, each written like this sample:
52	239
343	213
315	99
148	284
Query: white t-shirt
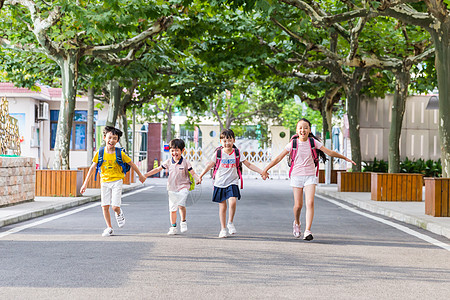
303	162
227	172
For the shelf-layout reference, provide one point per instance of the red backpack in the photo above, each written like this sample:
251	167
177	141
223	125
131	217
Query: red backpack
238	163
294	149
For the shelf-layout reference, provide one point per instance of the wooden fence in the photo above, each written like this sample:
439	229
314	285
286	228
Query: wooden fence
437	197
396	187
333	178
353	181
58	183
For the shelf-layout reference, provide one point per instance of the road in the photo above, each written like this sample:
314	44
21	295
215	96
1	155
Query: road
64	256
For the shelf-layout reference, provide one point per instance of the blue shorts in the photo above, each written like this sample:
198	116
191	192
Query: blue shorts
222	194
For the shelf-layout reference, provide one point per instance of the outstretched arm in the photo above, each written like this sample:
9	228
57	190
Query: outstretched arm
88	177
275	161
254	168
153	172
335	154
136	169
207	168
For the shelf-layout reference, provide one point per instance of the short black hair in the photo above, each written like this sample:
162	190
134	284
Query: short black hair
176	144
227	134
113	130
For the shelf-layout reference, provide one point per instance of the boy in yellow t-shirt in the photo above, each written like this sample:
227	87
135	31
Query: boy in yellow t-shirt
112	176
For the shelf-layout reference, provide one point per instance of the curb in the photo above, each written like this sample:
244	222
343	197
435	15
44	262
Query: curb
57	207
402	217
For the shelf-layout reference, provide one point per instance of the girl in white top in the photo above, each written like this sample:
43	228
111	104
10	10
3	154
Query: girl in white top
303	176
226	183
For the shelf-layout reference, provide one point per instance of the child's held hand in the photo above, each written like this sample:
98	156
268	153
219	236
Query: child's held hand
264	175
83	189
142	178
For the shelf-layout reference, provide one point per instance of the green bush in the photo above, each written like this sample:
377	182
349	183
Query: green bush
429	168
378	166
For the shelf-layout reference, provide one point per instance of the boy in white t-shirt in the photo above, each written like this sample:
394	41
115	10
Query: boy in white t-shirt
226	181
178	183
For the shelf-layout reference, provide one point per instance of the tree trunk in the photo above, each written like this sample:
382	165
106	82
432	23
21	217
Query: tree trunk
114	103
442	44
124	127
169	124
353	120
227	123
402	79
69	78
325	119
90	127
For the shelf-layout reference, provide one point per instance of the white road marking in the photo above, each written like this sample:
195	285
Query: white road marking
405	229
49	219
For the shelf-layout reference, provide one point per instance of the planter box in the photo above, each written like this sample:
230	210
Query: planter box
396	187
353	181
92	184
333	176
437	197
130	177
59	183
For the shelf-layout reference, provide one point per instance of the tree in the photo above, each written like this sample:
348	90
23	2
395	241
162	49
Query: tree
66	31
431	15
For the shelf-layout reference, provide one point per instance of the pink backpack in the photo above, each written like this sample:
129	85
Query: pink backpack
294	149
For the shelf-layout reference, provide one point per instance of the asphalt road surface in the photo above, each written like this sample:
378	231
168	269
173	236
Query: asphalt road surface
64	256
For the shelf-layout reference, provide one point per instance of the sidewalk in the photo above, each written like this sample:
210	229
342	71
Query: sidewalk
47	205
406	212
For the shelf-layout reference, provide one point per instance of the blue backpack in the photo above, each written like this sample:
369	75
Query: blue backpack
125	167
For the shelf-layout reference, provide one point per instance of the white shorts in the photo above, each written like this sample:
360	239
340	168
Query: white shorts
177	199
301	181
111	193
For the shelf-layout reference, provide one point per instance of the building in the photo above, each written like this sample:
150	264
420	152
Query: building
420	128
37	114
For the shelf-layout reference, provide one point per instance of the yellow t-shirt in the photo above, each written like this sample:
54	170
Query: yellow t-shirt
110	169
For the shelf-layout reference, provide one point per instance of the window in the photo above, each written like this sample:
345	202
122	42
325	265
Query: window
79	129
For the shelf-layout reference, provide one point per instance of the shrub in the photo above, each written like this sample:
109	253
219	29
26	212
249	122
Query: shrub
429	168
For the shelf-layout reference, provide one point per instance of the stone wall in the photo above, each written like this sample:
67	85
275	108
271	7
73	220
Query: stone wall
17	180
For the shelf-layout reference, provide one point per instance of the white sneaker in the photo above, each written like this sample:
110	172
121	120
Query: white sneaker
172	231
183	226
120	219
231	228
107	232
223	233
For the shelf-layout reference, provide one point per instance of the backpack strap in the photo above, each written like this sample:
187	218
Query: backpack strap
238	167
293	153
312	145
119	159
101	151
218	159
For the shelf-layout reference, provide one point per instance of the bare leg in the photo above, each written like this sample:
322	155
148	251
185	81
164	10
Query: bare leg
310	190
116	209
232	202
223	213
182	210
173	217
106	215
298	203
